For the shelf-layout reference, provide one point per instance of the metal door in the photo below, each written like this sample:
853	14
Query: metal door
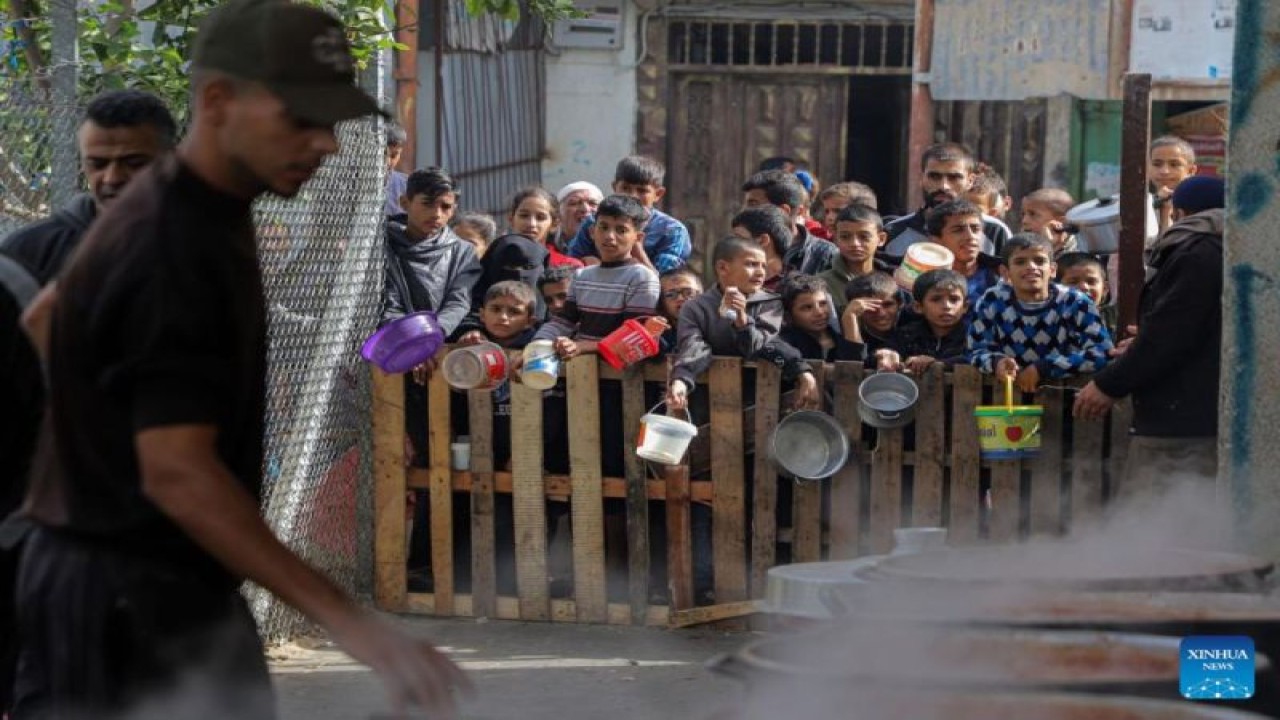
723	125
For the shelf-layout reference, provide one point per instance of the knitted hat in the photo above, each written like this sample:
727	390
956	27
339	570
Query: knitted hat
1199	193
574	187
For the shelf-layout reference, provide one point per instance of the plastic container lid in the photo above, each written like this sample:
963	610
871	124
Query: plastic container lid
1100	211
933	255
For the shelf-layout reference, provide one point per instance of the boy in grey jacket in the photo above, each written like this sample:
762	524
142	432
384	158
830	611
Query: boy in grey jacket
736	317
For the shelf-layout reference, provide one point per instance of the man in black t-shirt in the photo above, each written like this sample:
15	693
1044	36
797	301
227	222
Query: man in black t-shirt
146	487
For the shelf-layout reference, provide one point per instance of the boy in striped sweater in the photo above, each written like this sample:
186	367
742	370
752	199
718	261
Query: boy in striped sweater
604	296
1031	328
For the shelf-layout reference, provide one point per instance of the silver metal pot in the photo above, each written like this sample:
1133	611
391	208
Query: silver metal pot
809	445
888	400
1097	225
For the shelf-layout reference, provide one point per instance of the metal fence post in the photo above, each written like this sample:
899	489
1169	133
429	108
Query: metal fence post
65	71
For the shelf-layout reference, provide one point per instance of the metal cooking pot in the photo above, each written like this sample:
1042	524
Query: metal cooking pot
1097	225
857	661
887	400
809	445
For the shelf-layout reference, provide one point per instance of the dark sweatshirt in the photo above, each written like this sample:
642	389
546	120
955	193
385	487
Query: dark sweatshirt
917	338
702	333
435	274
1171	370
44	247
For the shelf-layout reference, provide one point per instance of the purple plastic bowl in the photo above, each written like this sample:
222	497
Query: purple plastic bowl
401	345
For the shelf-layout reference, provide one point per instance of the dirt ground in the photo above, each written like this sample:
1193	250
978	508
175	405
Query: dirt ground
528	671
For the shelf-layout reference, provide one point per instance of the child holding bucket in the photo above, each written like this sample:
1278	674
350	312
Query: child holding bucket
1031	328
737	317
810	325
507	320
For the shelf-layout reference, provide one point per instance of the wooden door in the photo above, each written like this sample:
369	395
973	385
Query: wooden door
723	125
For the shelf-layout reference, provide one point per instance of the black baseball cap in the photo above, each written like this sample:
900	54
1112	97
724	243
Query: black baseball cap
299	53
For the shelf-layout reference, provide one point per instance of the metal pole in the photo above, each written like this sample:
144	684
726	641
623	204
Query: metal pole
1135	136
64	109
1249	410
920	132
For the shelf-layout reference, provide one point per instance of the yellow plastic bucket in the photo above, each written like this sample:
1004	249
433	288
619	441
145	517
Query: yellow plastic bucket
1008	432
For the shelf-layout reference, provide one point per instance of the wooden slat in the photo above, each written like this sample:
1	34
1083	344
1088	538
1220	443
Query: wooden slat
886	490
764	519
965	467
561	486
931	448
440	493
806	508
484	582
1086	472
529	503
679	548
588	497
713	613
1006	507
1121	419
562	611
846	486
637	497
1046	470
729	506
390	583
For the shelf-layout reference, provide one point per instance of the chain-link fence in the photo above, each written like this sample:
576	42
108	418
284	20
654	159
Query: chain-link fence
322	267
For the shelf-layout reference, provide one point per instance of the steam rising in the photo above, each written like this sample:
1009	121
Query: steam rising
902	638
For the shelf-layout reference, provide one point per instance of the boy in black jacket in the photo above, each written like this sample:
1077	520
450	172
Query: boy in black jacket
809	322
938	335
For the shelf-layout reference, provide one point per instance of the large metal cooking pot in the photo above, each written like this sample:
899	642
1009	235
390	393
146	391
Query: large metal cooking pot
864	704
1077	566
920	656
1097	225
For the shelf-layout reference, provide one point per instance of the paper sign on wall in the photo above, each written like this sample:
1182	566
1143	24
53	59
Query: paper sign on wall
1183	39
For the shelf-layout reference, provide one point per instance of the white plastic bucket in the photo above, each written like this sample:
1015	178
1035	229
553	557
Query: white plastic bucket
664	439
541	365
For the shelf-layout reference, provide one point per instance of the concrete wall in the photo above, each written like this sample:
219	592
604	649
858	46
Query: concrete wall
591	110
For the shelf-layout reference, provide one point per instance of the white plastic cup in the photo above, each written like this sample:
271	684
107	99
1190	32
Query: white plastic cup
460	455
541	365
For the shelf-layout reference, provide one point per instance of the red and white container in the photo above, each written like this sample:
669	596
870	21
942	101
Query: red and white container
482	366
920	259
632	342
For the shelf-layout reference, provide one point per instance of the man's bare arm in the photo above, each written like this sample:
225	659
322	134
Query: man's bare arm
183	475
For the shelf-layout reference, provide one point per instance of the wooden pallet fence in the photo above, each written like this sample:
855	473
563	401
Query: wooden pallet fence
927	474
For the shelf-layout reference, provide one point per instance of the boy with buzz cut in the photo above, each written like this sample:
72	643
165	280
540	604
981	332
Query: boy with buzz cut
738	317
957	226
810	322
1045	212
1030	328
666	240
859	235
604	296
554	284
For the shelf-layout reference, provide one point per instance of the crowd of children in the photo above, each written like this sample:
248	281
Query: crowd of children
804	276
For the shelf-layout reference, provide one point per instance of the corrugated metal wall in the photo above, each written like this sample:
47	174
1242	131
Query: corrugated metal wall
490	103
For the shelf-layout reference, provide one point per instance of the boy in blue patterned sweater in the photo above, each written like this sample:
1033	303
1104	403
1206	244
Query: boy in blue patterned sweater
1031	328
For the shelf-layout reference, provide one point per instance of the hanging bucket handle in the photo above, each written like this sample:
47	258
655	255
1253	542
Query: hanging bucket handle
687	415
1008	394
